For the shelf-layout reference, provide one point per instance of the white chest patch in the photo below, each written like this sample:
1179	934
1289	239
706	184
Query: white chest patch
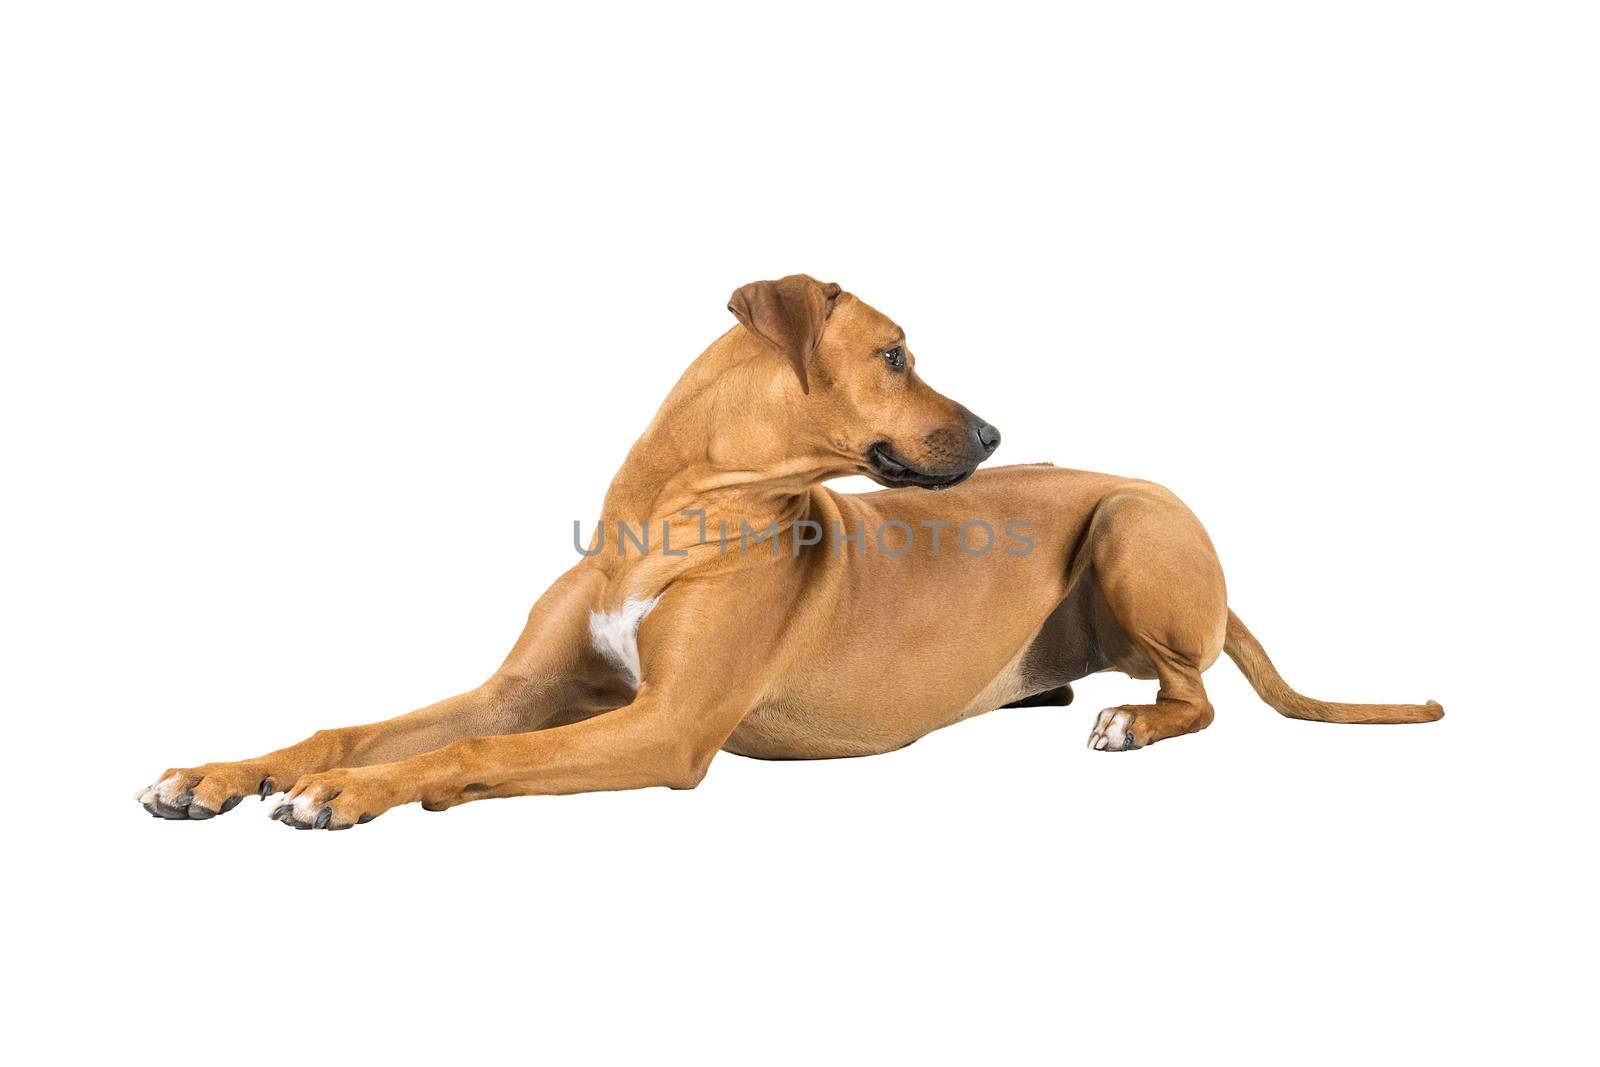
615	635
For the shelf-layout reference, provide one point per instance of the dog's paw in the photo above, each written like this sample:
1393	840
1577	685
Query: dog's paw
336	800
1113	731
204	792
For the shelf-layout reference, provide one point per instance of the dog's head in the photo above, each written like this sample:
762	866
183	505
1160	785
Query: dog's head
862	401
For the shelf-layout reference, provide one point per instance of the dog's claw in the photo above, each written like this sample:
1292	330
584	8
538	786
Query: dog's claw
322	819
267	788
280	811
167	811
200	793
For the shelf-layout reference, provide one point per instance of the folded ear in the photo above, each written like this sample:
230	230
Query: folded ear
787	314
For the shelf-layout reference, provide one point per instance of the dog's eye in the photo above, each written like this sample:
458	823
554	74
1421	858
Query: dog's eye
896	357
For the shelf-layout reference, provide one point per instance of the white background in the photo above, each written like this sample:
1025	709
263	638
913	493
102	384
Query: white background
323	322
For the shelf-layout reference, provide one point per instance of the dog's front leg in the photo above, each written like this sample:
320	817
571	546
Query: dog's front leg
643	744
697	686
550	672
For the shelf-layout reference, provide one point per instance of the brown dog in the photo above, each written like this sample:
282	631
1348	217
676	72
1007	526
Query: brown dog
731	601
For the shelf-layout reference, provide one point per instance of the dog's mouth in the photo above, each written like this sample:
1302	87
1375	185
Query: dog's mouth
896	473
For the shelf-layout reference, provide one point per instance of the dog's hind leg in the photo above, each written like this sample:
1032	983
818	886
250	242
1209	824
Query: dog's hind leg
1181	707
1163	614
1059	697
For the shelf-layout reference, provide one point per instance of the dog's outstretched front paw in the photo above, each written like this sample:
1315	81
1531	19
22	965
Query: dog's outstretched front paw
204	792
1113	731
337	800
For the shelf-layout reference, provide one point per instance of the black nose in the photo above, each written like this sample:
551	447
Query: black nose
988	438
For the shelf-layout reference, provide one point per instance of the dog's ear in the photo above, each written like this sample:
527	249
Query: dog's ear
788	315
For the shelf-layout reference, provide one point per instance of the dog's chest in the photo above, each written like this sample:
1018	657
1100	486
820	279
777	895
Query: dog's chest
615	636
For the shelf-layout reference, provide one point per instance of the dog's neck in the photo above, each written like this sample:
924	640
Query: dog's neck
724	442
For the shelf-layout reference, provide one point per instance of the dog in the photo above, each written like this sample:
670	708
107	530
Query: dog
729	601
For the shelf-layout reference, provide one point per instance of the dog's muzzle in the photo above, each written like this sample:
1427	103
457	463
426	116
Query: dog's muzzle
956	454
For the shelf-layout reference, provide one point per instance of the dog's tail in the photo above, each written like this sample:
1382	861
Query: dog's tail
1243	648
